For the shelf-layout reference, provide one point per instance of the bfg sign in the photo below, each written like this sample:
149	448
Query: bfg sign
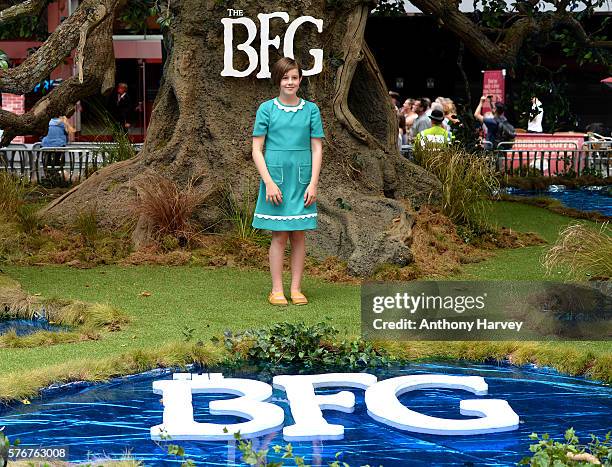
265	42
381	399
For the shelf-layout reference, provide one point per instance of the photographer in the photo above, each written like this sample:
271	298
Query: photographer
498	128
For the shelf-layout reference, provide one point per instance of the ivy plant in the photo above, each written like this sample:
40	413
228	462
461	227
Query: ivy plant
571	453
303	346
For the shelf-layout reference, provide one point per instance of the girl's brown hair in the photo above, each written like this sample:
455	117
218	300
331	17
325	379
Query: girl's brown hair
281	67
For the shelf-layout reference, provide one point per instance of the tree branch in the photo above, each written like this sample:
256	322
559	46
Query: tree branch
29	7
98	66
573	24
88	15
502	52
467	31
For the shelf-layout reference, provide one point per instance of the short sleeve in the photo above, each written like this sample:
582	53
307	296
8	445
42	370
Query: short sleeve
262	119
316	125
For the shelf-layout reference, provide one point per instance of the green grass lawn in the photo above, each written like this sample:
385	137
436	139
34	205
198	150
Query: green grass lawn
521	263
206	300
213	300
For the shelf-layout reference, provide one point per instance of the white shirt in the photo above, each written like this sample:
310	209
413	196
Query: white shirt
536	123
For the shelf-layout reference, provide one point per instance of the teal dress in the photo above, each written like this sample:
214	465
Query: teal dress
288	156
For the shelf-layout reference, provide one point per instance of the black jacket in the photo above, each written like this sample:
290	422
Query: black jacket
121	109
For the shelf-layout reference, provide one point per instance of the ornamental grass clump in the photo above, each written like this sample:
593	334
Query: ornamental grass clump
86	224
27	219
240	213
468	182
13	192
168	208
121	147
582	252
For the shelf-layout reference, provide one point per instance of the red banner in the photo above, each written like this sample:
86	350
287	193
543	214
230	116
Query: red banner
551	154
494	84
549	142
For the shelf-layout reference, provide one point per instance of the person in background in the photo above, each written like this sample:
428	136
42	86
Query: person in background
57	136
435	106
427	102
407	107
422	122
58	133
450	115
121	106
402	136
536	114
409	114
395	97
598	128
436	134
497	127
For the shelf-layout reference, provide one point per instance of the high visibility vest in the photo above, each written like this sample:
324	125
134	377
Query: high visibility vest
434	135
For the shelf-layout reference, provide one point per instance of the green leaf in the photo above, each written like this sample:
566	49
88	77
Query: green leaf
250	458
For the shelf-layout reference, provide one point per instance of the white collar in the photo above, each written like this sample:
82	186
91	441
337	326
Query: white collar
294	108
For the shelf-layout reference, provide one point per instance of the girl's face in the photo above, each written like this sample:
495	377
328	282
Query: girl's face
290	82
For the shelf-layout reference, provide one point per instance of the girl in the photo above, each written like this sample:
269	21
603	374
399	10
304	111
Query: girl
59	132
291	129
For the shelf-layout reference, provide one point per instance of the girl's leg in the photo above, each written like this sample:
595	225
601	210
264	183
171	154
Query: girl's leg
298	253
276	256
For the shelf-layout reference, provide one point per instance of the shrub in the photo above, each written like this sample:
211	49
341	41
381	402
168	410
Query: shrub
582	251
304	347
167	207
468	182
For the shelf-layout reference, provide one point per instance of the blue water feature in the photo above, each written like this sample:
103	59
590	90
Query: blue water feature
27	326
108	420
594	198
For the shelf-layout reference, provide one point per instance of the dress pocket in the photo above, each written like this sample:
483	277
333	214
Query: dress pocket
276	172
304	173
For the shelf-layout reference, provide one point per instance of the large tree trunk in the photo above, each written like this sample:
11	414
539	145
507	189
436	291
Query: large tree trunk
202	123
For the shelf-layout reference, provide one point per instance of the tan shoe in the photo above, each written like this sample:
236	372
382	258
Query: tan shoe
298	298
277	298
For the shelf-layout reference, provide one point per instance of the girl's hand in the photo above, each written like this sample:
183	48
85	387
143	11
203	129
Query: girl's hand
310	196
273	194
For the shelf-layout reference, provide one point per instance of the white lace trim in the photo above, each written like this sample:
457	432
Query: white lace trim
289	109
284	218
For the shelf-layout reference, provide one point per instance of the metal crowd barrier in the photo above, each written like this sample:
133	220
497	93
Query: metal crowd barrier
591	159
55	165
